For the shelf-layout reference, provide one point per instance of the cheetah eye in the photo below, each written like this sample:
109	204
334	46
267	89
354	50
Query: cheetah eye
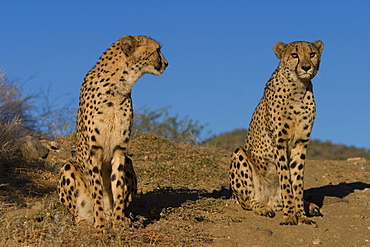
294	55
312	54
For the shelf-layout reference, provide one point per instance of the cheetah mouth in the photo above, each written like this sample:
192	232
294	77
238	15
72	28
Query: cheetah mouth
160	67
305	75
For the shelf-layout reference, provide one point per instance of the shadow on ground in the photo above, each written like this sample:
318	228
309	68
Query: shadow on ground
18	180
152	204
317	195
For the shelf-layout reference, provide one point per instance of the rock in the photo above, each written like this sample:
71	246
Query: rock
25	212
358	159
316	241
262	232
31	149
54	145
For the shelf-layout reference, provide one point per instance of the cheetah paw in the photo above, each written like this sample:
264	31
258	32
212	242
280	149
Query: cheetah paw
265	211
307	221
270	214
288	221
124	223
313	210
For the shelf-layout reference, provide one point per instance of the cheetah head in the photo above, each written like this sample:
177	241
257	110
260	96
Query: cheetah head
144	53
299	60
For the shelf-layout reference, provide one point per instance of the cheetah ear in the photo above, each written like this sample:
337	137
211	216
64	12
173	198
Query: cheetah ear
319	45
128	44
279	49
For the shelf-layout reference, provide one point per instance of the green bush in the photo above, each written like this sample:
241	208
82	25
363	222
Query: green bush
160	122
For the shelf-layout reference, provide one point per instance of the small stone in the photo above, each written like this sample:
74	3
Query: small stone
263	232
357	216
316	241
358	159
54	145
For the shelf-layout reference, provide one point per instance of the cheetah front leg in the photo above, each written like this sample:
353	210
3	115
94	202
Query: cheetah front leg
289	217
247	186
124	186
296	168
291	179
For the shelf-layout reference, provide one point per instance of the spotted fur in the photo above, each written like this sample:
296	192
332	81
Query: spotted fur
267	174
101	181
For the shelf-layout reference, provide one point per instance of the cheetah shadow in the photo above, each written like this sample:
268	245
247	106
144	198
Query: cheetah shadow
153	205
17	182
317	195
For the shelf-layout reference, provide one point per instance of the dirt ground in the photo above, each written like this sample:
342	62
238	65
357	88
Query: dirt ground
183	201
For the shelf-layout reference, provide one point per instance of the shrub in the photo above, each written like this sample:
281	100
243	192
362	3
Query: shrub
53	119
160	122
15	119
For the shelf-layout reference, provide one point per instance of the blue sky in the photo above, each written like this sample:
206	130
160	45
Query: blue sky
220	55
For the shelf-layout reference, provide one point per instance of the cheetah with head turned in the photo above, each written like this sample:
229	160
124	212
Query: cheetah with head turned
101	181
267	174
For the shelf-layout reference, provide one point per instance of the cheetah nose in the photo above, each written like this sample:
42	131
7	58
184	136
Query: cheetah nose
306	68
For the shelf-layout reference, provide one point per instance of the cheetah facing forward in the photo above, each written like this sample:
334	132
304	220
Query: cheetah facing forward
267	173
101	179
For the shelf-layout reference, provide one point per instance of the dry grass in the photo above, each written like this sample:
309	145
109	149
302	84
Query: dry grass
180	186
163	163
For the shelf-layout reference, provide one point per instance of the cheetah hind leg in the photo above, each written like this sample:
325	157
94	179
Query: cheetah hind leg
74	193
124	188
245	184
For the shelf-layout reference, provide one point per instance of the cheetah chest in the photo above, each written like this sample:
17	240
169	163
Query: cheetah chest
111	124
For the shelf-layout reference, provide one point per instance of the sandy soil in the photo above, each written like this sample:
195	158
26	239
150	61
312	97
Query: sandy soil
342	189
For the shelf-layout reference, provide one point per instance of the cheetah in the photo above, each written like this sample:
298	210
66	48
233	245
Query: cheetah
98	184
267	174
